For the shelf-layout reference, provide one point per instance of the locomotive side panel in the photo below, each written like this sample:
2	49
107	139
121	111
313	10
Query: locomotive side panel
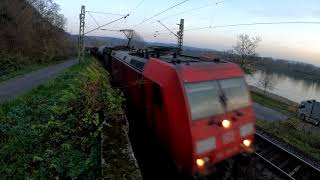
118	71
130	81
176	137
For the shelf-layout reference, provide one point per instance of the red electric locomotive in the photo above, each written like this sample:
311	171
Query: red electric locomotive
200	110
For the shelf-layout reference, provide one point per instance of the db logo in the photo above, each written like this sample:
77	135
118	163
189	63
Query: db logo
228	137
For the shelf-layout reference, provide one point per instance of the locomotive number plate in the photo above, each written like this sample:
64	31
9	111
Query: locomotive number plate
228	137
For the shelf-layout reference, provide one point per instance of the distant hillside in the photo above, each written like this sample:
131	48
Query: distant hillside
99	41
294	69
297	70
112	41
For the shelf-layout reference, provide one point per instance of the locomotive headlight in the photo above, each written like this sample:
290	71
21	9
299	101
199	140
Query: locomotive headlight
247	142
226	123
200	162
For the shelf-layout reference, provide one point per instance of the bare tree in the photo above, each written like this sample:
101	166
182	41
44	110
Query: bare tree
267	81
31	32
244	52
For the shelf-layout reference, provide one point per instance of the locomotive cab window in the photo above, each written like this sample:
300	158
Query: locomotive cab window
204	97
235	90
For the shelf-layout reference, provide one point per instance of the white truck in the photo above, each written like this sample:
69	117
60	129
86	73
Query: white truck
310	111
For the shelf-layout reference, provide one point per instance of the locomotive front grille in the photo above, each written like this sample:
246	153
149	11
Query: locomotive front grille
246	129
206	145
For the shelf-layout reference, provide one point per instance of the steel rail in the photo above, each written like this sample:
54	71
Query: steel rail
292	157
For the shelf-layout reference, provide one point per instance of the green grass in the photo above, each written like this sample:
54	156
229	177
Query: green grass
54	131
273	104
295	133
27	69
299	134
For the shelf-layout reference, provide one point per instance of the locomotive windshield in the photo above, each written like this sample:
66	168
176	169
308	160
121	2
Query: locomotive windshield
204	97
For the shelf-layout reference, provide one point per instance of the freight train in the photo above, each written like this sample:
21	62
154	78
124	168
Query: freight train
200	109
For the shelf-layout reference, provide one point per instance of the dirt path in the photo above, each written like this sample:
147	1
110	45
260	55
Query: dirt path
19	85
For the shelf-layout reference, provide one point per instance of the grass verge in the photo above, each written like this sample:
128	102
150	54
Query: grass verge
54	131
301	135
273	104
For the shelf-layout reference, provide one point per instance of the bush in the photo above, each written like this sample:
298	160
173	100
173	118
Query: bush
12	63
53	132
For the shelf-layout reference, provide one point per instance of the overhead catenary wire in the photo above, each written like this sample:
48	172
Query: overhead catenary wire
253	24
191	9
94	19
107	24
111	30
161	12
165	32
113	14
243	24
168	29
213	12
214	4
219	2
118	24
139	4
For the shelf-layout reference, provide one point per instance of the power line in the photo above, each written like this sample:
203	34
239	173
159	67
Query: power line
192	9
253	24
161	12
117	24
165	32
105	13
246	24
139	4
219	2
112	30
107	24
94	19
168	29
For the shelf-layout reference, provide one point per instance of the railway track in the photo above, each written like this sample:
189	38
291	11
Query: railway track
283	163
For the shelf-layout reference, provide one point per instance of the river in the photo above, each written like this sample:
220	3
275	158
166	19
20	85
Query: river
294	89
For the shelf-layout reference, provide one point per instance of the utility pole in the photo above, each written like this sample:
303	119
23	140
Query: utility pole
180	35
81	35
129	34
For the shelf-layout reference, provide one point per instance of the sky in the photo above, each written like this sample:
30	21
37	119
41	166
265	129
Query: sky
300	42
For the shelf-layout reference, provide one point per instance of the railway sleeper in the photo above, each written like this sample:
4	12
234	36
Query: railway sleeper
284	164
275	158
270	154
278	171
296	169
267	150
